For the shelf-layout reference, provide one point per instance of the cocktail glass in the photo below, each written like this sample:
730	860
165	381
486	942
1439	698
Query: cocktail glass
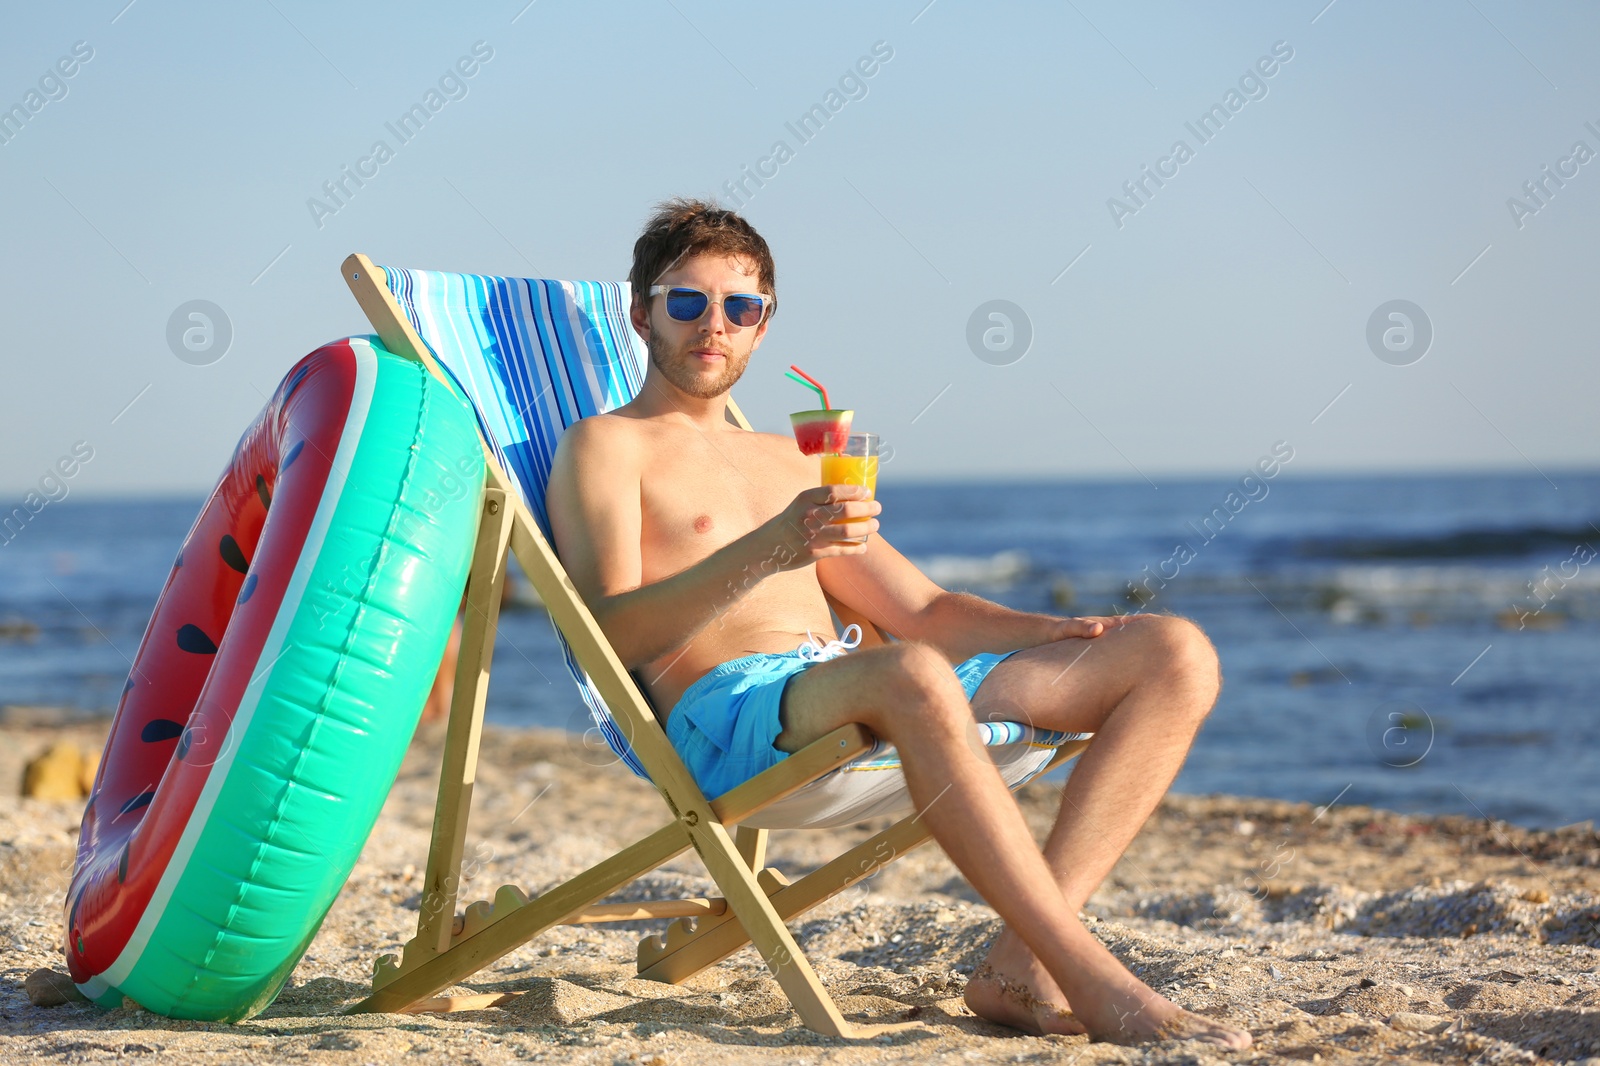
856	463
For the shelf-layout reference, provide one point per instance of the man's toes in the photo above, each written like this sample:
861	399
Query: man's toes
1186	1025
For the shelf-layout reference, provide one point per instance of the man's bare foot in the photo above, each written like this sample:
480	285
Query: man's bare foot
1142	1027
1007	1000
1124	1010
1013	988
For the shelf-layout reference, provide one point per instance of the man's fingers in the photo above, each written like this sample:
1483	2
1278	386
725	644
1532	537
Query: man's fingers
836	532
1083	627
828	523
852	527
837	493
829	514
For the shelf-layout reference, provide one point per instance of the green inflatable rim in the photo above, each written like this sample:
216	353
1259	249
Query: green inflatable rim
318	740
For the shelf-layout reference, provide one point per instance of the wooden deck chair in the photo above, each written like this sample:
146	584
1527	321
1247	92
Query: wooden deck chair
532	357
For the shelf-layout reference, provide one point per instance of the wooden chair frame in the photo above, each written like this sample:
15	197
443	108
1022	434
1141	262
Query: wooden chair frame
756	899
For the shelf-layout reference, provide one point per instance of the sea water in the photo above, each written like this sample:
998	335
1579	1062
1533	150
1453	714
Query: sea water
1422	643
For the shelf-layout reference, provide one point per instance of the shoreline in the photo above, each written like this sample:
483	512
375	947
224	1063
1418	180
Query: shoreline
1326	932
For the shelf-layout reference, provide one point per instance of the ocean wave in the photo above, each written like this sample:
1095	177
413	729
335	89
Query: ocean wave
1514	597
1000	570
1418	585
1464	543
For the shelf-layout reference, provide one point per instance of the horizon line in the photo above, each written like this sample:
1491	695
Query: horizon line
962	479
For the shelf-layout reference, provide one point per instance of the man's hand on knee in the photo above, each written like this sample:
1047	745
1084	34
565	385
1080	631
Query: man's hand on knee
1082	627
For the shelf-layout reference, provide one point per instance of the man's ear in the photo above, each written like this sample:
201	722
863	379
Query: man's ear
761	331
639	315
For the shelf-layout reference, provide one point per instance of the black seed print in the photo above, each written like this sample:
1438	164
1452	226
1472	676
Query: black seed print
192	638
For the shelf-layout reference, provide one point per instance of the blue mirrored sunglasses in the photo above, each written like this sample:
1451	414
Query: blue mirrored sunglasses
686	304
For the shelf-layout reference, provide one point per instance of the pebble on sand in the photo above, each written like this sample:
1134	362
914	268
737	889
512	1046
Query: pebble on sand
50	988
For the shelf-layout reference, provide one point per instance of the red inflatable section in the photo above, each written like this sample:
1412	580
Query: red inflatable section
199	652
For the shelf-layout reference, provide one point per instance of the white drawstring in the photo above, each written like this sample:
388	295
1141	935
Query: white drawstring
812	651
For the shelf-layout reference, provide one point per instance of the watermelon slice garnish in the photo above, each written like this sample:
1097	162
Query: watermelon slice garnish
821	431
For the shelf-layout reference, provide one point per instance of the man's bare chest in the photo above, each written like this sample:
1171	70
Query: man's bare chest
697	496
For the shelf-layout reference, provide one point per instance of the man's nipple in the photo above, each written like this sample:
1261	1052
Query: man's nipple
702	524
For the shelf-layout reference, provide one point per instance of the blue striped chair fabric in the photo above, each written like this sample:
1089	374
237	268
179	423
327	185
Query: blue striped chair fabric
532	357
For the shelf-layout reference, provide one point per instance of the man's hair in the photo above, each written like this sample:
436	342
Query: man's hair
682	228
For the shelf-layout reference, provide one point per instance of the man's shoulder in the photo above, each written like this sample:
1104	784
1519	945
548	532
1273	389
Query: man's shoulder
604	446
607	432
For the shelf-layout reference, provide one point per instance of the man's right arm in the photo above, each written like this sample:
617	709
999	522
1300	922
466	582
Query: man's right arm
593	499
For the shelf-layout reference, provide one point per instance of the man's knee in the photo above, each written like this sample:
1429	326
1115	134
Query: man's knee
919	688
1177	650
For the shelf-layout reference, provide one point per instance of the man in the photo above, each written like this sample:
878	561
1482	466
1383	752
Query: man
705	551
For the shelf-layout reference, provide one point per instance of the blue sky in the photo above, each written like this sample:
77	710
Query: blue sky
1182	333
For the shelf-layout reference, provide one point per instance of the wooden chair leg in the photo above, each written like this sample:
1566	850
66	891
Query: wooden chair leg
766	930
485	582
399	983
491	931
515	921
687	948
752	844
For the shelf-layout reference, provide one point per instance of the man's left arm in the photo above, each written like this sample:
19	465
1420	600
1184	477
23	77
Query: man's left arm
887	588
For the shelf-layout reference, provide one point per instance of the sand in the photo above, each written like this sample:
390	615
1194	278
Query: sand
1338	935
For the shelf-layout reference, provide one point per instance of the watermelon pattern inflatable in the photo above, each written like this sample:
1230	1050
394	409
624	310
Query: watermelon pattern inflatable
277	687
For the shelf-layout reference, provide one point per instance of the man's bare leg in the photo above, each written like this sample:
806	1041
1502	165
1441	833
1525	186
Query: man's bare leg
908	694
1143	687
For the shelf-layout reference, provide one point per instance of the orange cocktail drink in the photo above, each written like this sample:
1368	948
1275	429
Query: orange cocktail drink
856	464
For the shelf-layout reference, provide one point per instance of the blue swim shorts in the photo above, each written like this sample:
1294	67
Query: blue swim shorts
725	723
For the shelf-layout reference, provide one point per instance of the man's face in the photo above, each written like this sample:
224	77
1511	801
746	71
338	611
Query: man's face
705	357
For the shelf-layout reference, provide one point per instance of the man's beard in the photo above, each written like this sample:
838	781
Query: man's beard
679	369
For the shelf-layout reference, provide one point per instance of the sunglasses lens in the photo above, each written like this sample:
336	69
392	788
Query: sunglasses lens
743	310
686	305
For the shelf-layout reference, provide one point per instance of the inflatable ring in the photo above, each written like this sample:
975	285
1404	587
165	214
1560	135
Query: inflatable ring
276	688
